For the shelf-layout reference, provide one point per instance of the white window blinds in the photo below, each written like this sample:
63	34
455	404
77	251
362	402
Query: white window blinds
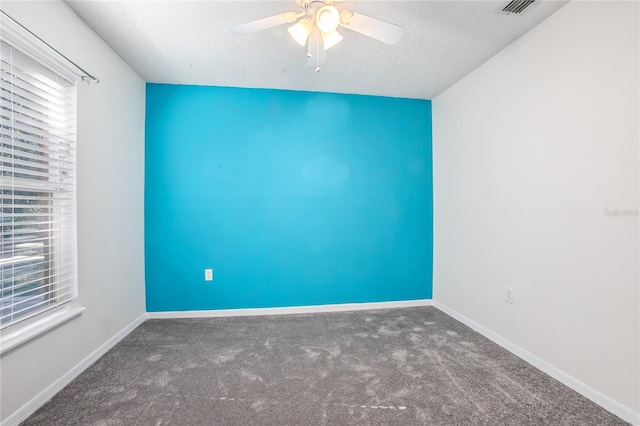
37	180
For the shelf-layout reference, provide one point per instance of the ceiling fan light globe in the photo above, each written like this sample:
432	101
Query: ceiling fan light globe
300	31
331	39
327	19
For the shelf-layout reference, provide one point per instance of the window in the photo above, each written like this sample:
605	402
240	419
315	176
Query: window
37	183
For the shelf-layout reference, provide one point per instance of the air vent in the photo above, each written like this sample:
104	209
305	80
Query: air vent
517	6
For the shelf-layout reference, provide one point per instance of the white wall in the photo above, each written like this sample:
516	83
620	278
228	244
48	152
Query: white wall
110	207
530	150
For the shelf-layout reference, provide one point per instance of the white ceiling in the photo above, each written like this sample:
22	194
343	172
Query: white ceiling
188	42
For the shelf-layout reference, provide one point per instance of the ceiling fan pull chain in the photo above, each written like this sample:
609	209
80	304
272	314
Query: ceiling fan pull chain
318	40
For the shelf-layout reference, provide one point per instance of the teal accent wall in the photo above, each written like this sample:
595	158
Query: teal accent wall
292	198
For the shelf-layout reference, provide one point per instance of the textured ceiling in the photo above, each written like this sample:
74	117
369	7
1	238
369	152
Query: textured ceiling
188	42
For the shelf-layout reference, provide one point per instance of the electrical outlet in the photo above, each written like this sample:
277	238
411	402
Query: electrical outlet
208	274
509	295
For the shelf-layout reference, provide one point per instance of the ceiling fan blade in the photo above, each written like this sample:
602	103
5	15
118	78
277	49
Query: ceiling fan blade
372	27
265	23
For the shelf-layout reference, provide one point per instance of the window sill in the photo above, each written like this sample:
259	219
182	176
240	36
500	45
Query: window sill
11	339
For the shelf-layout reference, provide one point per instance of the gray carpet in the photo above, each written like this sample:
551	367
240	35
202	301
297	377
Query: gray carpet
414	366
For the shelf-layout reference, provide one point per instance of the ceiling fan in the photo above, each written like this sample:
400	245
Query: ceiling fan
317	25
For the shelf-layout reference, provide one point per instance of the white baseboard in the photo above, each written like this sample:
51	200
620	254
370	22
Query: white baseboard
39	400
602	400
290	310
